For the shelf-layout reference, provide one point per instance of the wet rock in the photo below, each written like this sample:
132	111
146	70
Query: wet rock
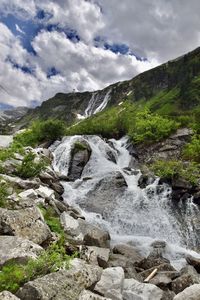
128	251
182	282
196	198
106	194
5	295
193	261
190	293
111	283
62	285
161	279
87	295
134	289
26	223
152	261
17	249
80	155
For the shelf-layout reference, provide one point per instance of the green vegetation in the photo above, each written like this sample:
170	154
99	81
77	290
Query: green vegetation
177	169
52	219
13	275
3	194
29	168
140	124
192	150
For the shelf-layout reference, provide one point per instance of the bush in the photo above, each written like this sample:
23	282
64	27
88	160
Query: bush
173	169
192	149
13	275
29	168
3	194
52	219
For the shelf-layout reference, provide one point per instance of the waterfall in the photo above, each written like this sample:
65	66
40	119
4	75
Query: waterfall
97	103
128	212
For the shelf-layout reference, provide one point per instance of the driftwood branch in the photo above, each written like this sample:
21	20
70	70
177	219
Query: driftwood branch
153	273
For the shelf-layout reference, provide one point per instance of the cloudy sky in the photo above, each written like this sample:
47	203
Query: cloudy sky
50	46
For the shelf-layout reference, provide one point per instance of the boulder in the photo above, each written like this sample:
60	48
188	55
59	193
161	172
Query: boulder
62	285
182	282
111	283
10	165
87	295
190	293
128	251
20	183
161	268
80	155
5	295
82	230
45	192
119	260
134	289
193	261
17	249
30	193
27	223
97	255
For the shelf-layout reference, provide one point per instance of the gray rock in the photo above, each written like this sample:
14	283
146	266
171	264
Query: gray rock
190	293
128	251
111	283
5	295
134	289
87	295
193	261
12	247
20	183
182	282
97	255
30	193
80	155
62	285
27	223
167	268
83	231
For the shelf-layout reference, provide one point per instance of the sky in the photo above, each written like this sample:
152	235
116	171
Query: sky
51	46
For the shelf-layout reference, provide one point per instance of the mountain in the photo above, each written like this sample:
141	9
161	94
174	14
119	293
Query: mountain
172	89
10	116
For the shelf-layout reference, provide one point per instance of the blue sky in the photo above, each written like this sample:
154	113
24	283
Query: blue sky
57	46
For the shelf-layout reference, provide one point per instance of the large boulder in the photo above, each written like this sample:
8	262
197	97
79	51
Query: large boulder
193	261
128	251
62	285
21	183
97	255
111	283
134	289
17	249
80	155
5	295
27	223
184	281
190	293
83	231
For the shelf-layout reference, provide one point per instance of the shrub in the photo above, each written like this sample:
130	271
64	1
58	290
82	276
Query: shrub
175	168
192	149
3	194
29	168
52	219
149	127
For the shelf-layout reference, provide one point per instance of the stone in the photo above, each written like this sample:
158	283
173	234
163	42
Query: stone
134	289
111	283
5	295
88	233
119	260
20	183
190	293
45	192
27	223
17	249
167	268
182	282
62	285
97	255
193	261
128	251
80	155
30	193
161	280
87	295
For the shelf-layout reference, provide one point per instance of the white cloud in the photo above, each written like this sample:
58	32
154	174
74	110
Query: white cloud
157	29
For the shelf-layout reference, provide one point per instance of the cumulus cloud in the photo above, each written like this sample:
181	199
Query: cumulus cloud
158	30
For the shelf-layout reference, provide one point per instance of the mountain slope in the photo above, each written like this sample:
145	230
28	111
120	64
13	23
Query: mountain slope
171	88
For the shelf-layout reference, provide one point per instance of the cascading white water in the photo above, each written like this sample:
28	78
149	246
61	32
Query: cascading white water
97	103
129	213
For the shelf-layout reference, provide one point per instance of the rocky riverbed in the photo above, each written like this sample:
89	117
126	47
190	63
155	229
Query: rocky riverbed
101	269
